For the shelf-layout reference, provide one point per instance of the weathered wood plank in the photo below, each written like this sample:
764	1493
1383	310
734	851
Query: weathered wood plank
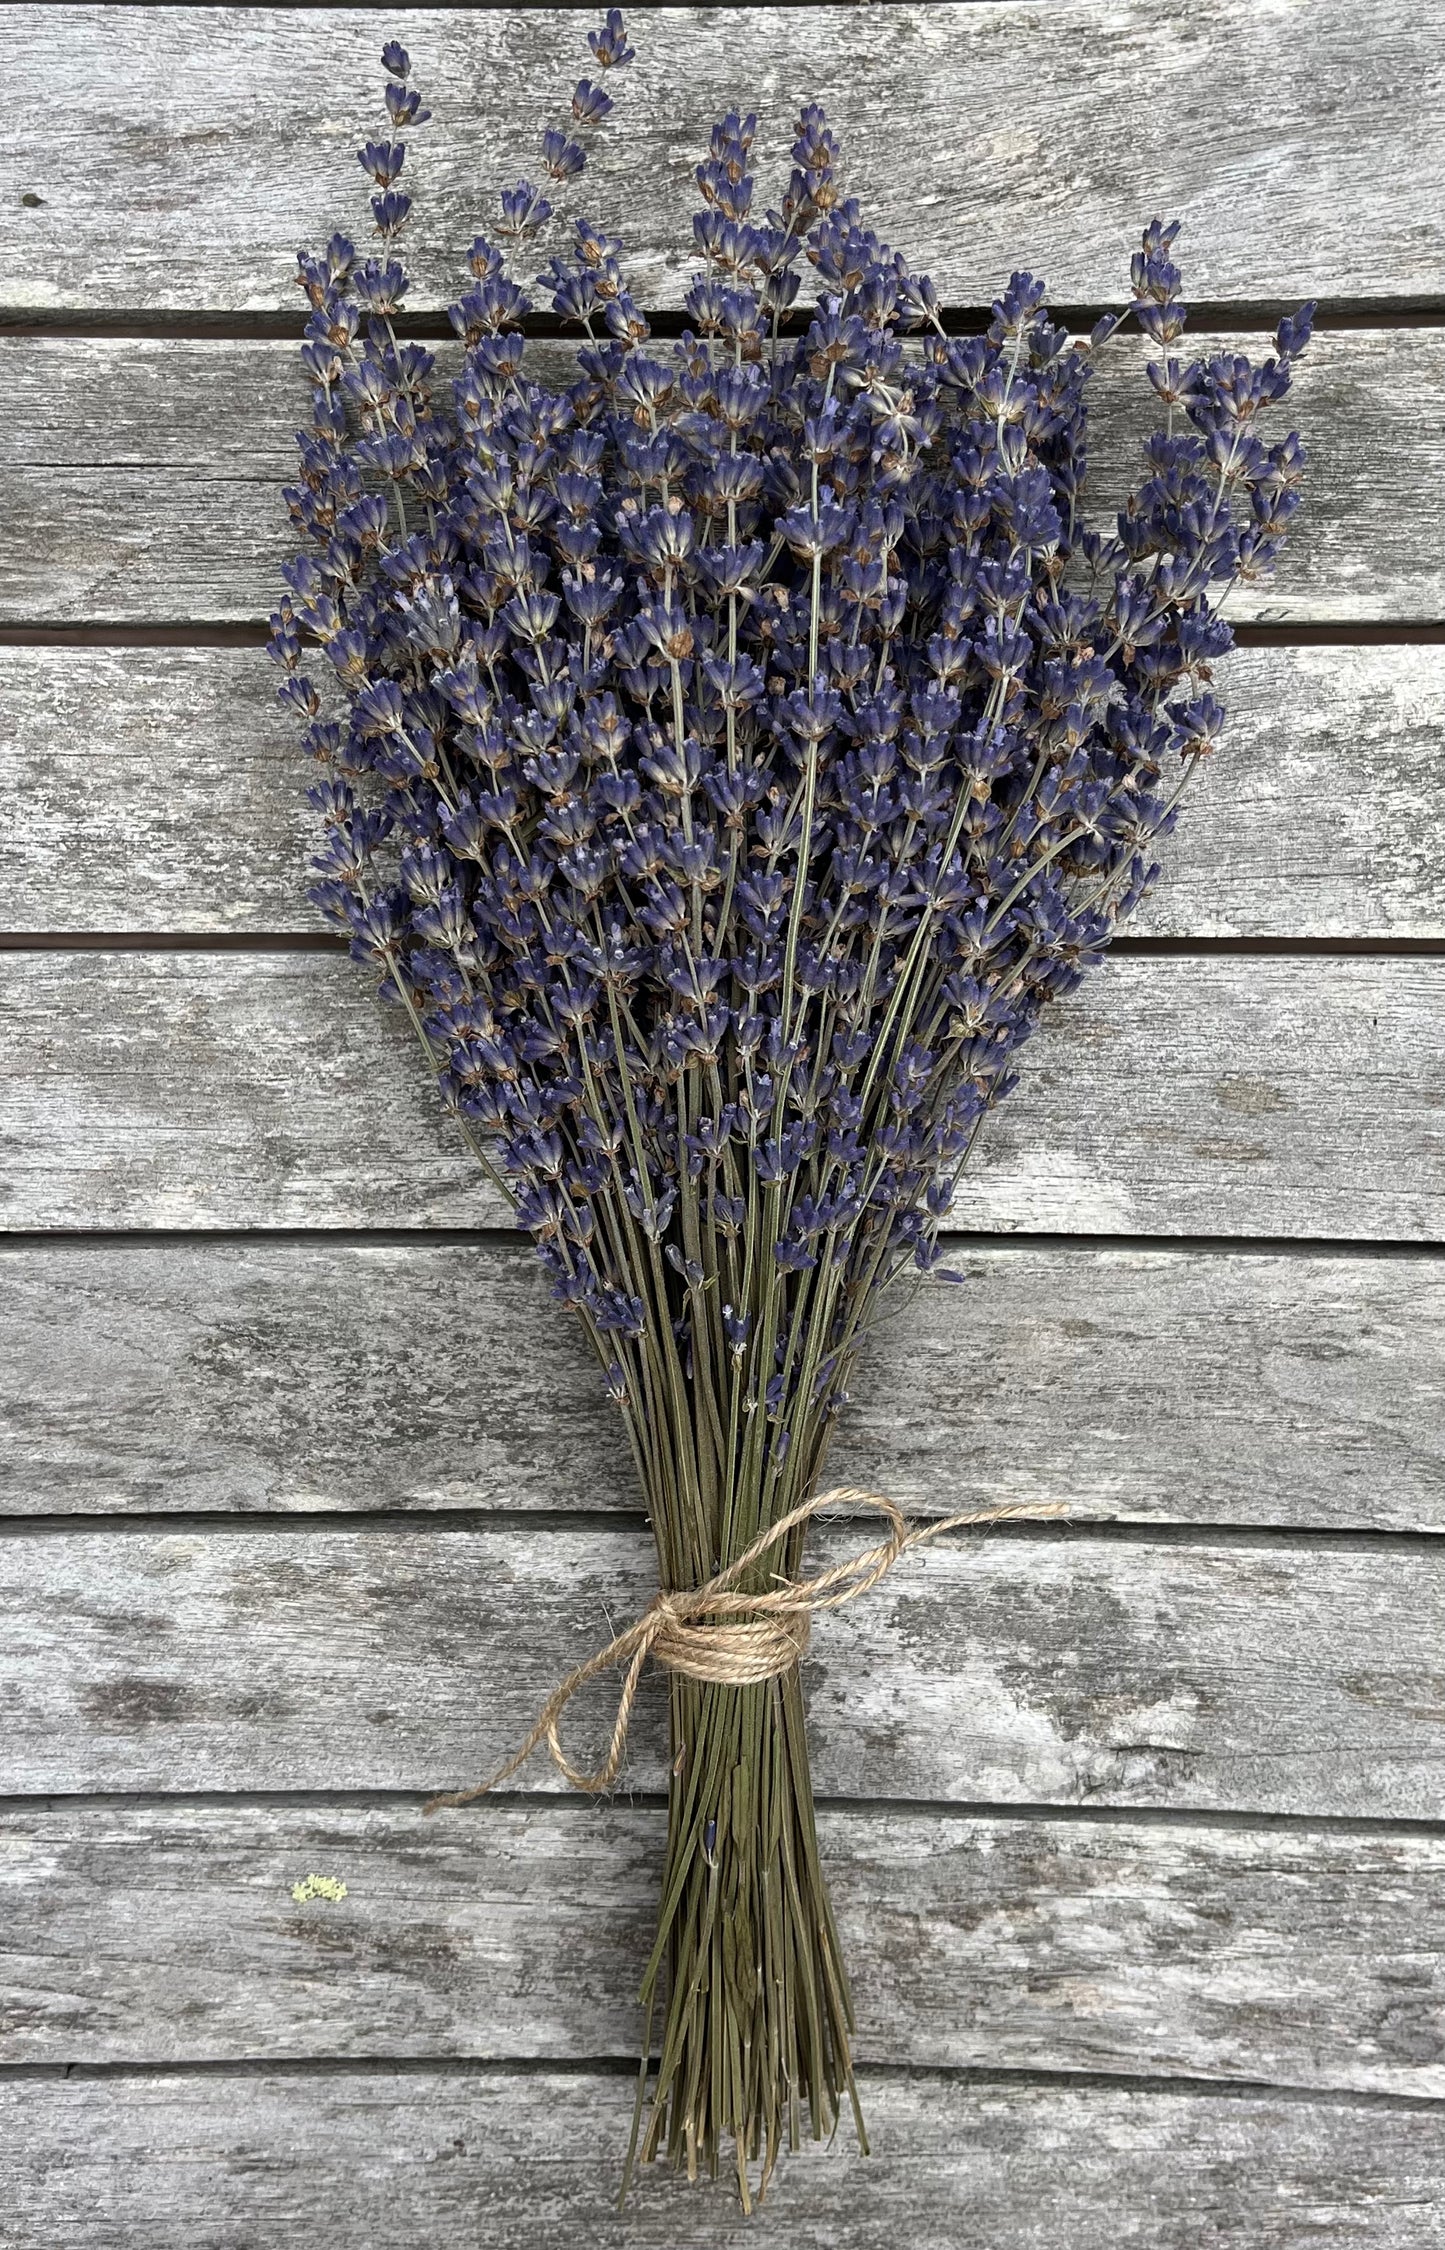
151	789
159	789
145	1934
143	479
1148	1384
1238	1096
1179	1095
1024	1668
396	2159
977	138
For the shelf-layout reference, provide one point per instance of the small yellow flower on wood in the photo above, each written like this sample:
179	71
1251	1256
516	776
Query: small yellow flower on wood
319	1886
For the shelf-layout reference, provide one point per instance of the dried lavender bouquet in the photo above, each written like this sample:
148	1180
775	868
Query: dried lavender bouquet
724	761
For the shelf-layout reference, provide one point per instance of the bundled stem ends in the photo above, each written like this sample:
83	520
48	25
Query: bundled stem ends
759	2015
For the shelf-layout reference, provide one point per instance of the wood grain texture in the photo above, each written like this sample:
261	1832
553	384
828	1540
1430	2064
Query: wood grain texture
394	2159
1033	1667
160	789
1159	1386
180	156
149	1934
1177	1095
143	479
153	789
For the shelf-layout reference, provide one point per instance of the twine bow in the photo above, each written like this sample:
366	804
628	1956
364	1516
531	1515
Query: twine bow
715	1632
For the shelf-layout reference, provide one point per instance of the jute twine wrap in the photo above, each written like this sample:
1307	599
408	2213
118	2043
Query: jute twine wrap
714	1632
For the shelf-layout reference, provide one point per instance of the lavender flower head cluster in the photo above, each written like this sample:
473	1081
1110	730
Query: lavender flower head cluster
727	755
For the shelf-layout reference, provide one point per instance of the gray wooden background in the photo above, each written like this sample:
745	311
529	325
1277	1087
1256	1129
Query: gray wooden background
1137	1824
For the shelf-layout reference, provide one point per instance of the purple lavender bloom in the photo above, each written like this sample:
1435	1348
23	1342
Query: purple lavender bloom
609	45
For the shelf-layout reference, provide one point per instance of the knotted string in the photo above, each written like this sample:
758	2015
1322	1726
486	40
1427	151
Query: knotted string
715	1632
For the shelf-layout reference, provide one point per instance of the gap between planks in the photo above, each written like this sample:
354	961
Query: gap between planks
957	1241
1419	632
1339	315
1204	946
443	1522
1098	1811
625	2066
